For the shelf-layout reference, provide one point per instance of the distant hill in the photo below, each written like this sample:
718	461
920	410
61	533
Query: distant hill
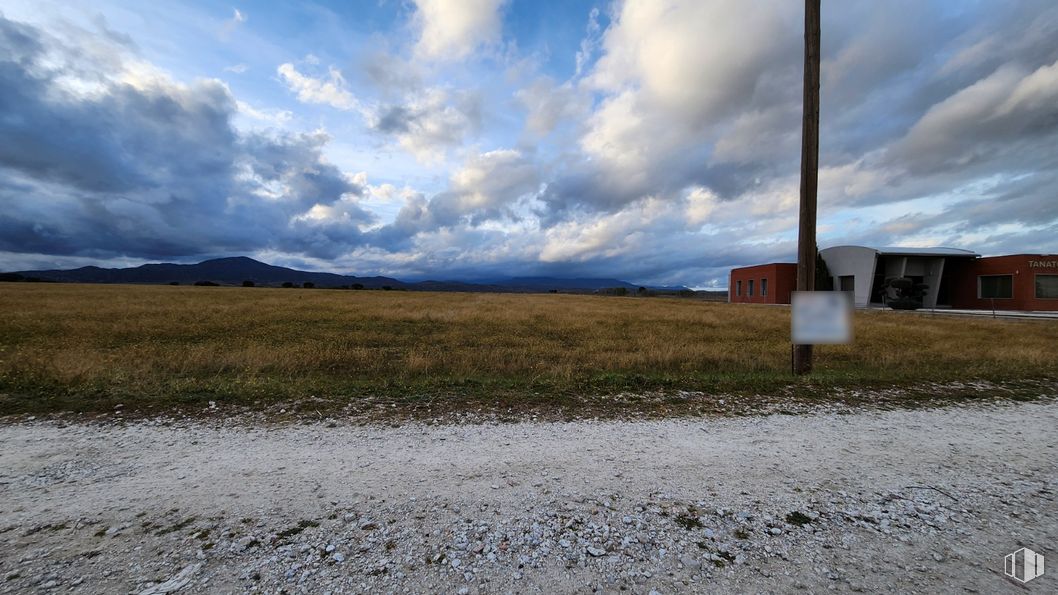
236	270
226	271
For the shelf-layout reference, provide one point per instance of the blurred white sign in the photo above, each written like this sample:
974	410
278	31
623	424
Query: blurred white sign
821	318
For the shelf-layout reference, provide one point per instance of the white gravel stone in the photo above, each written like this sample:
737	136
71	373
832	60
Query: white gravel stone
407	514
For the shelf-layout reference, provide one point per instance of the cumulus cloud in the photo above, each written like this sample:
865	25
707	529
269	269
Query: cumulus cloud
488	187
701	204
429	122
327	90
452	29
672	76
608	236
492	180
274	117
548	104
658	48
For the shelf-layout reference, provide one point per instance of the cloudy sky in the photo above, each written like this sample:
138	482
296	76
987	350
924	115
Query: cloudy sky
652	140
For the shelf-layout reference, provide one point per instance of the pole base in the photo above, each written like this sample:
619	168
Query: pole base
802	359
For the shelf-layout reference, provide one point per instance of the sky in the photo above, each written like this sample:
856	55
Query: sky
656	141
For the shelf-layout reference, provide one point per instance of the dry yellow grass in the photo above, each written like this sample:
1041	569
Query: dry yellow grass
91	343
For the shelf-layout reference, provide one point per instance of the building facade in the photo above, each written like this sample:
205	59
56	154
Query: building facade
954	278
864	271
763	284
1014	282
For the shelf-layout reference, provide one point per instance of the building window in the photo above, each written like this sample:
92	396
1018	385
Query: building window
847	283
750	288
764	287
738	287
1046	287
995	286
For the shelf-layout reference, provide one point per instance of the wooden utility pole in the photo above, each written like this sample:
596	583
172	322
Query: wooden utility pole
806	234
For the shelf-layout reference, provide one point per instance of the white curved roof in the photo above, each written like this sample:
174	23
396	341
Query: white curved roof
902	251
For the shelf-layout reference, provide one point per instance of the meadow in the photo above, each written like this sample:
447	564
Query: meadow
89	347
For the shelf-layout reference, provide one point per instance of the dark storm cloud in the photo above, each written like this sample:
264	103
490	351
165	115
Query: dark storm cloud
1043	240
92	144
1027	201
106	167
394	119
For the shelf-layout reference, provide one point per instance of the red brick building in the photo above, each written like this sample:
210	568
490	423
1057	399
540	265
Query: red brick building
763	284
955	278
1014	282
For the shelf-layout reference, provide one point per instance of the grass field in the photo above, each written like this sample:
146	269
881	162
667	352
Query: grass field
88	347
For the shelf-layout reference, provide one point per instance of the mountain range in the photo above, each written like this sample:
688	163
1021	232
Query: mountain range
237	270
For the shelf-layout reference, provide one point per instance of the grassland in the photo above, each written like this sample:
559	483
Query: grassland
89	347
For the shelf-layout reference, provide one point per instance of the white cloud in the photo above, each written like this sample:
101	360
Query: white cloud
237	18
275	117
1037	91
982	119
236	68
429	122
493	179
624	136
701	202
548	104
328	91
344	211
849	182
675	72
698	58
603	237
452	29
590	41
485	192
386	192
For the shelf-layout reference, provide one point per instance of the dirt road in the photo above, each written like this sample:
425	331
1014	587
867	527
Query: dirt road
903	501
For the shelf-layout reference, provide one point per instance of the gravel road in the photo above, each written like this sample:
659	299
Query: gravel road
900	501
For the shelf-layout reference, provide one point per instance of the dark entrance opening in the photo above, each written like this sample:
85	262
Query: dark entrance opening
944	291
877	287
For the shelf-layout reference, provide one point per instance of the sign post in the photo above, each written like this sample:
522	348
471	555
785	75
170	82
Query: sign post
806	233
